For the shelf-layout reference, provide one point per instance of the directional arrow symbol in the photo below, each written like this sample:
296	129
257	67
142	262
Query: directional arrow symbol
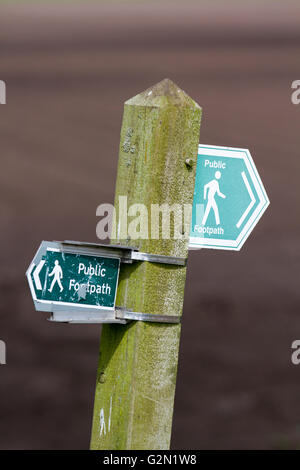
253	200
36	273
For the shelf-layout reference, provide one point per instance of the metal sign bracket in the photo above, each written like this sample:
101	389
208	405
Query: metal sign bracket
124	314
125	253
118	315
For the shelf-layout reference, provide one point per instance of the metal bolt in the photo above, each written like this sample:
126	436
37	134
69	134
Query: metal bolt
189	162
102	378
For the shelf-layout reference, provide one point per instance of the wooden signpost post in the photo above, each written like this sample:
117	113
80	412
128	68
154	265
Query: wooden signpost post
137	369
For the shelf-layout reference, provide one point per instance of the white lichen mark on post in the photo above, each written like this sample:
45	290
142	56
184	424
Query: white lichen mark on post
127	144
102	423
109	419
102	420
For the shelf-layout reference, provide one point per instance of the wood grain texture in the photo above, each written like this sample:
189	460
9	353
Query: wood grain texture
138	362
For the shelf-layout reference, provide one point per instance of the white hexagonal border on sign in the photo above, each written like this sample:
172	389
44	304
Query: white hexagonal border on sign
219	244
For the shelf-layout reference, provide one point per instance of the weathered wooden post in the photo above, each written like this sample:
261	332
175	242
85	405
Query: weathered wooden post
138	362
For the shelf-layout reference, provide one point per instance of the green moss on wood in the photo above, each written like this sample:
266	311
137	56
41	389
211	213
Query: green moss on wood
138	362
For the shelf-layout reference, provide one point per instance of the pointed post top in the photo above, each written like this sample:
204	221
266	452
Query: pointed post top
164	93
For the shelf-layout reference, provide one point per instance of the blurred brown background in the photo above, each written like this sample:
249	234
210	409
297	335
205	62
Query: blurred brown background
68	68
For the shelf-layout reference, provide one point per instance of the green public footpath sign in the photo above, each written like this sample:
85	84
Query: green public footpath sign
72	280
229	198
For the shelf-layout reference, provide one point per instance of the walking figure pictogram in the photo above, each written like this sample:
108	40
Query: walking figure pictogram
213	188
58	275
